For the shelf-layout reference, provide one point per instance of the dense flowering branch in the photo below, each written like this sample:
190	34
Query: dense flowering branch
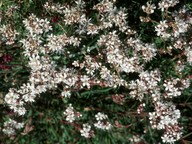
112	57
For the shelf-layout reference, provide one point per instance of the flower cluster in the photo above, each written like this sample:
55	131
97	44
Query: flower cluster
174	87
188	53
165	117
8	34
147	84
35	25
71	114
165	4
101	121
149	8
118	98
10	10
14	101
116	56
10	126
86	131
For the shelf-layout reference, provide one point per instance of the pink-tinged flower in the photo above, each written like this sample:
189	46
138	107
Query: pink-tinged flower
7	58
55	19
2	66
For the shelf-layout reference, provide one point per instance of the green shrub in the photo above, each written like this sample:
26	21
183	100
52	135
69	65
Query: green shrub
95	71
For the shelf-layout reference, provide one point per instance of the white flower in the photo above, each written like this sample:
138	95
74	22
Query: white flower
161	29
101	116
20	110
92	29
188	53
85	81
149	9
101	121
70	114
10	126
8	34
86	131
66	93
11	97
165	4
35	63
36	26
103	125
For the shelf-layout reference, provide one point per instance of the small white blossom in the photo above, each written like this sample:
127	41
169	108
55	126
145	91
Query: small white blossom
161	29
66	93
149	8
85	81
70	114
100	116
86	131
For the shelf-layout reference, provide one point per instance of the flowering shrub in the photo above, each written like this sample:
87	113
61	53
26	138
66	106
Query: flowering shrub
87	66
